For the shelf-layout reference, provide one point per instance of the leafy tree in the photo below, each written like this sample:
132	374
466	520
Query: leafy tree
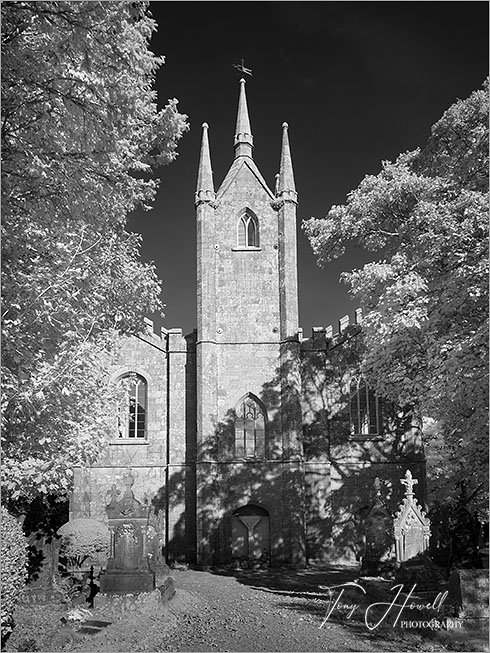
13	568
425	303
81	137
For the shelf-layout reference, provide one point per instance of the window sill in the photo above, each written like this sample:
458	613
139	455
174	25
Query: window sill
129	441
246	249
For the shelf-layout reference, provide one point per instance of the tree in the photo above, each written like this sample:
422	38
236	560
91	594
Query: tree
13	568
81	137
425	303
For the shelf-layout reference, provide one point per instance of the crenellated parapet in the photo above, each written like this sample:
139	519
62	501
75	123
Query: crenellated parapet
151	332
165	340
325	337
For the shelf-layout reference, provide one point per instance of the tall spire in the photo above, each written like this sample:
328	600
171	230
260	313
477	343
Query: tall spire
205	188
286	188
243	141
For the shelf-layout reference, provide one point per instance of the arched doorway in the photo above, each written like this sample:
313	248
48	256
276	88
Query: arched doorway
250	537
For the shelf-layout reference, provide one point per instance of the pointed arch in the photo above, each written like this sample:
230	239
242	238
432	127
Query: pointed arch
250	534
250	427
247	229
364	409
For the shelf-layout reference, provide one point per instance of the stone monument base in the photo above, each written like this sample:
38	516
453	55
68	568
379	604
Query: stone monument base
41	596
114	605
126	582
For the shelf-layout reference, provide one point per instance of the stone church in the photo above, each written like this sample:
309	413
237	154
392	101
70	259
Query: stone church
247	441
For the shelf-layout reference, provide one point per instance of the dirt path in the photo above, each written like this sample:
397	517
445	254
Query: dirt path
250	611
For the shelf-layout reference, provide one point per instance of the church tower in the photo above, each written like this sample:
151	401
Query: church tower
249	467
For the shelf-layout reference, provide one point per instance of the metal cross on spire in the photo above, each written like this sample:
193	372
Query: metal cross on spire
241	67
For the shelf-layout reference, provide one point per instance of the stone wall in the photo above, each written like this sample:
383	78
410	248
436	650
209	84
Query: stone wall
315	484
163	362
340	468
271	485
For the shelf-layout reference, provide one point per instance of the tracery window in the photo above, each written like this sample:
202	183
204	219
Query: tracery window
249	428
248	230
365	409
132	406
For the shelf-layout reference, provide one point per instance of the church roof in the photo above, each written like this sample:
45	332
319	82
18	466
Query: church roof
236	166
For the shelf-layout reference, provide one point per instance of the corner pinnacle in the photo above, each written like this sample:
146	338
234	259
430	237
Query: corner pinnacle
286	187
205	186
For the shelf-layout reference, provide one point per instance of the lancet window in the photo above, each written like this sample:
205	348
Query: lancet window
249	428
132	409
248	230
365	409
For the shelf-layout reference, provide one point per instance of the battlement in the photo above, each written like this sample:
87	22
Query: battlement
152	331
320	336
165	337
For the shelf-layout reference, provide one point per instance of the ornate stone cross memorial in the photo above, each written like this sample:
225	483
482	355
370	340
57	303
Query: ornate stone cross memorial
127	568
412	526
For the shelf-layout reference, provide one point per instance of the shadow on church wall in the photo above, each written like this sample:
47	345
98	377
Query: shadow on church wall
315	481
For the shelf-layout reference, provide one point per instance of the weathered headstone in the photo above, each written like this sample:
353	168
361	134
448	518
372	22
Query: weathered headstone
42	586
155	558
127	569
468	596
378	526
464	537
412	526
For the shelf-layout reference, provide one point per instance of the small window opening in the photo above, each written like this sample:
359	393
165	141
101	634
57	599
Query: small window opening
249	429
365	413
132	406
248	231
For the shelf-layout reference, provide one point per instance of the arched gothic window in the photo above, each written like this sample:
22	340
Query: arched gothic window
132	406
365	409
249	428
248	230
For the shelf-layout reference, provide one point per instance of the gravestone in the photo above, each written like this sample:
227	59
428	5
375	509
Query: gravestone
154	554
412	526
42	586
127	570
468	596
378	532
464	538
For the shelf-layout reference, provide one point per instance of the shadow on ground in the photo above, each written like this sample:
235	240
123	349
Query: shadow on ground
298	582
306	591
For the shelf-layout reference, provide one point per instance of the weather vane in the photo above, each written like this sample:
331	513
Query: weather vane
242	69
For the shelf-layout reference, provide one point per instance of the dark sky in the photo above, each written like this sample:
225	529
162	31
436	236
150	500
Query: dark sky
358	83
